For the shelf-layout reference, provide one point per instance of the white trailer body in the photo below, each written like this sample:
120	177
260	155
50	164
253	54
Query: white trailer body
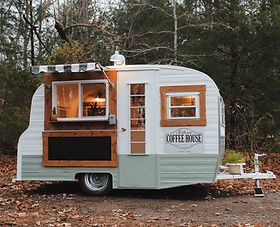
167	128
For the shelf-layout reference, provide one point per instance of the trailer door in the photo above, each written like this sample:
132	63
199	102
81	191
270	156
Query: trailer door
135	124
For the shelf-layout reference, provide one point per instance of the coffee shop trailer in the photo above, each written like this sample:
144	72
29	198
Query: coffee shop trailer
123	126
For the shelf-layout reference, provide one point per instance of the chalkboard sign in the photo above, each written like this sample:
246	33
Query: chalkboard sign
79	148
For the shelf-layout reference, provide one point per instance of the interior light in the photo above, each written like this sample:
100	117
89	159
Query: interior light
99	100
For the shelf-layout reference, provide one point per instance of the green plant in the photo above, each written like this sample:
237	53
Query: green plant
70	53
233	156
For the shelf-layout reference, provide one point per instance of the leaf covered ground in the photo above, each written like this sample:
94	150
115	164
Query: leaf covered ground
225	203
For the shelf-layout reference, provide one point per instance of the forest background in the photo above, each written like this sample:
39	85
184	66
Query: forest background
236	42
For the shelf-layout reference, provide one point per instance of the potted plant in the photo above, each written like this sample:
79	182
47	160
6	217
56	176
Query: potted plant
234	161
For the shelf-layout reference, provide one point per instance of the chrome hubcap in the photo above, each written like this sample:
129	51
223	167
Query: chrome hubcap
96	181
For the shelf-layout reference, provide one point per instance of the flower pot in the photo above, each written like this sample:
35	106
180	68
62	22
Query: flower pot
235	168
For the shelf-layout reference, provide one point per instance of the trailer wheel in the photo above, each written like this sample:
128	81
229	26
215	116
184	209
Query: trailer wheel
96	183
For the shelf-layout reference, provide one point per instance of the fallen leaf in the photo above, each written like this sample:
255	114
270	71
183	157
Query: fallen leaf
21	214
129	214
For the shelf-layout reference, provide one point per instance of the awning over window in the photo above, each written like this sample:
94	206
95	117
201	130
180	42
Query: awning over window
82	67
74	68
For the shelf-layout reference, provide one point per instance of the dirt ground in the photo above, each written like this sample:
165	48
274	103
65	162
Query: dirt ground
225	203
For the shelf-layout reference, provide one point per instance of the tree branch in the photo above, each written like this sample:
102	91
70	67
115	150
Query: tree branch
158	8
31	25
150	33
36	33
99	27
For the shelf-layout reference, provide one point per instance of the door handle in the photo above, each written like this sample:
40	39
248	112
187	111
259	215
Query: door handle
123	129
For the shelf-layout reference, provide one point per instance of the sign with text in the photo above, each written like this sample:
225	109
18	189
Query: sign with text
184	138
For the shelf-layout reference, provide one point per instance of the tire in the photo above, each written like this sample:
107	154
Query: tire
96	183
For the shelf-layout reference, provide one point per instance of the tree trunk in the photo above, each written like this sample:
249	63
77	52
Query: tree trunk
31	34
175	44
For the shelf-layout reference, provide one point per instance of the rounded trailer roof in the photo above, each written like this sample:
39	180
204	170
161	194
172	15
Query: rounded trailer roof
157	68
165	70
149	67
95	66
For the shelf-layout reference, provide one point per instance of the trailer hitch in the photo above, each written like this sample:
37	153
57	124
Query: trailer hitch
255	175
258	189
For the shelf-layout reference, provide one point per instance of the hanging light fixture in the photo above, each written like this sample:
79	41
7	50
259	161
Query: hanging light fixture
117	58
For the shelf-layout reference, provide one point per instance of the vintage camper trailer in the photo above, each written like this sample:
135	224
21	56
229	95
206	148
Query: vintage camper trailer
123	126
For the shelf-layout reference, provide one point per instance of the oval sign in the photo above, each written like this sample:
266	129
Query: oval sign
184	138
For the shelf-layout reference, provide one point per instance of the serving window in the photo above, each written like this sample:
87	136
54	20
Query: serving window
80	100
183	105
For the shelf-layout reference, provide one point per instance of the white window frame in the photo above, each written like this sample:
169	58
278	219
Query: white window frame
178	94
80	96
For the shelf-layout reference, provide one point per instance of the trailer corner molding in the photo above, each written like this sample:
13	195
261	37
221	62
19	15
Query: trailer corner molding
184	138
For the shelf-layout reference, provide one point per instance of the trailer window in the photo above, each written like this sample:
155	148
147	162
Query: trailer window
137	126
94	99
183	105
80	100
67	101
222	112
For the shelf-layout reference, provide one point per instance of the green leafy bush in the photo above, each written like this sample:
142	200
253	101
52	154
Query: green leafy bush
17	87
70	53
233	156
